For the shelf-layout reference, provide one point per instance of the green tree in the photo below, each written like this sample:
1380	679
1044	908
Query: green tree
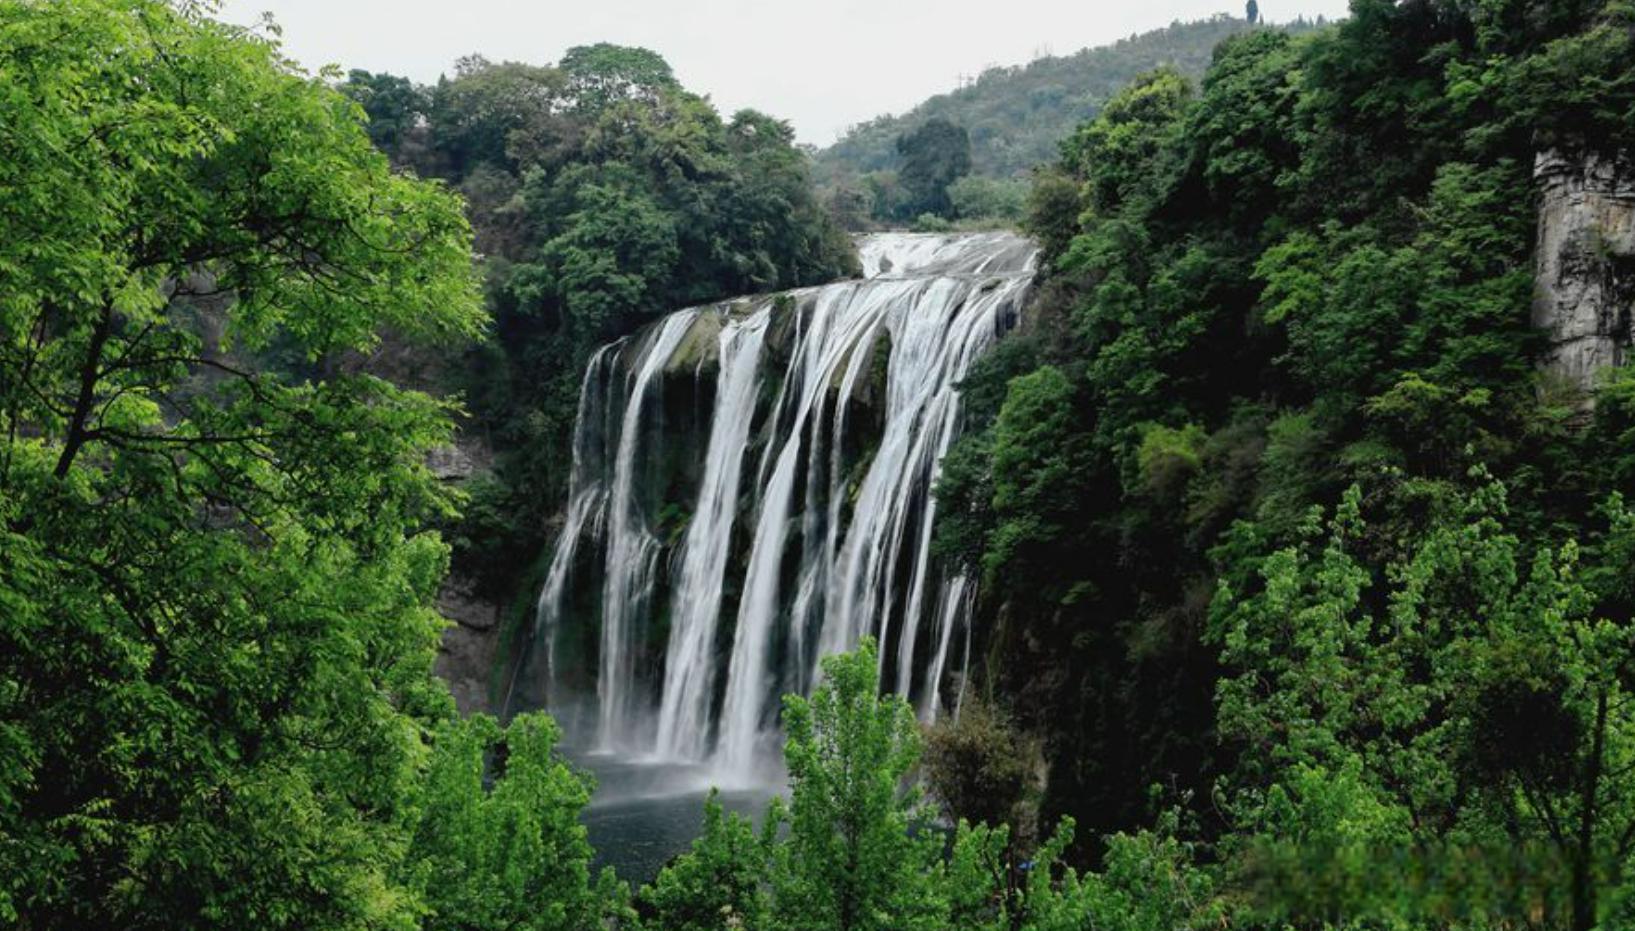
721	883
487	108
1474	702
860	854
508	855
602	74
614	255
934	156
1038	466
980	768
1053	210
1118	152
216	586
395	107
974	198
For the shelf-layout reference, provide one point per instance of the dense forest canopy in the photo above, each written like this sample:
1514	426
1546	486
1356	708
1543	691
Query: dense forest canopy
1275	511
1306	591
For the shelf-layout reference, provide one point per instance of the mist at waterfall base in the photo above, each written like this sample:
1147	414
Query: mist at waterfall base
752	490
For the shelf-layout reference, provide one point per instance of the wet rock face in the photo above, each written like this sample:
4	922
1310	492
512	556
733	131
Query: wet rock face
1584	297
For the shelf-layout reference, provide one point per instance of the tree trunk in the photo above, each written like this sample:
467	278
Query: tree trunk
1583	860
88	374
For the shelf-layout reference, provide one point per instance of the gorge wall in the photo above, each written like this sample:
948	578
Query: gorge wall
752	490
1584	298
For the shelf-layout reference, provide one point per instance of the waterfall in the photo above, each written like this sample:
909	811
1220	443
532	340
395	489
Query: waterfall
631	549
684	708
752	489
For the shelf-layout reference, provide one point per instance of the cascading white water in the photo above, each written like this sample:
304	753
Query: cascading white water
684	706
631	549
828	413
586	490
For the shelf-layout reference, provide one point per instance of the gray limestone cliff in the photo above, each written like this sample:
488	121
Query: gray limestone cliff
1584	295
466	656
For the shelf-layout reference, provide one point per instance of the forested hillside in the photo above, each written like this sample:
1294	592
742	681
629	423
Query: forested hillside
1277	516
1017	115
964	157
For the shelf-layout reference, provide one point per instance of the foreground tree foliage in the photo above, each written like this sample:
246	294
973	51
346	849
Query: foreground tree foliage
216	586
855	847
859	855
509	856
720	883
1454	739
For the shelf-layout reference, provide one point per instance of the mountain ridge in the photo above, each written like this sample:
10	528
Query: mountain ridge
1018	114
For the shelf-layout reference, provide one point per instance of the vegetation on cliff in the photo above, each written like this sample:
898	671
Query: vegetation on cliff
1278	518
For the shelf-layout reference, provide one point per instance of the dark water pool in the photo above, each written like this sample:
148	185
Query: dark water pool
645	813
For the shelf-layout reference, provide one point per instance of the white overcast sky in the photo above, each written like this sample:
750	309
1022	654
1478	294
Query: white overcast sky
821	64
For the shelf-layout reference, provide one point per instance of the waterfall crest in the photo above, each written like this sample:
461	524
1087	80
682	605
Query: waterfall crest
752	489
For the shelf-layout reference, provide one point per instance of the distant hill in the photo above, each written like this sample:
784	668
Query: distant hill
1017	115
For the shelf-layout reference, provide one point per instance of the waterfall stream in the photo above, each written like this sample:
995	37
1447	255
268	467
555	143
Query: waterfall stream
752	490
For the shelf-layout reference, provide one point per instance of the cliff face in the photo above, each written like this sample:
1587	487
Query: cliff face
1585	285
465	659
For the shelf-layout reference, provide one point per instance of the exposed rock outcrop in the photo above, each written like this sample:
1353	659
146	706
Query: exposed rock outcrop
465	660
1584	296
460	460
